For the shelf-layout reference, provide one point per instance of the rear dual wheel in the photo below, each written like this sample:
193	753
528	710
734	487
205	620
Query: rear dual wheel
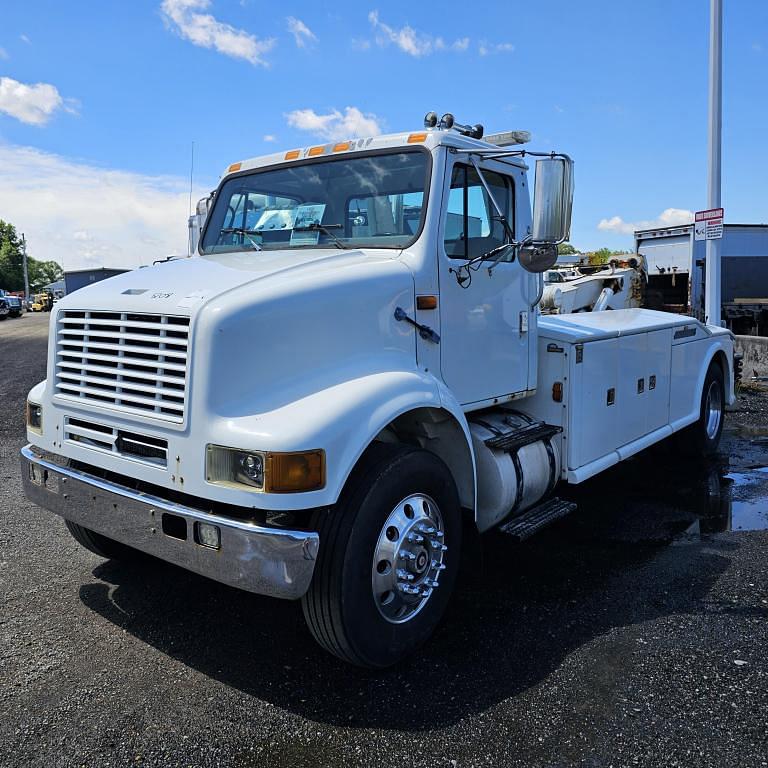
388	558
702	438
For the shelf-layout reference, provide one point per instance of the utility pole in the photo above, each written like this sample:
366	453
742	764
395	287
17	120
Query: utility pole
24	263
713	287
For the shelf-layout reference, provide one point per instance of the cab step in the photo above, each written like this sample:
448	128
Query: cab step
533	520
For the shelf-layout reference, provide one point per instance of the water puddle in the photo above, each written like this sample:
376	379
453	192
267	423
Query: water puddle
751	513
659	498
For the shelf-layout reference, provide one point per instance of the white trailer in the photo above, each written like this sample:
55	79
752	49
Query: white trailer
350	373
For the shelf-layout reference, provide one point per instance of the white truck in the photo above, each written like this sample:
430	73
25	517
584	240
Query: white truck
352	374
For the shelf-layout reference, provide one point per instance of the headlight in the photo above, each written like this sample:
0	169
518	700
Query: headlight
227	465
270	472
35	417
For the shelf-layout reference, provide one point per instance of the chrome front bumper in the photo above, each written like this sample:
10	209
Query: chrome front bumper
269	561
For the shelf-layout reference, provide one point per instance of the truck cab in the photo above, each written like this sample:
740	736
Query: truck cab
349	373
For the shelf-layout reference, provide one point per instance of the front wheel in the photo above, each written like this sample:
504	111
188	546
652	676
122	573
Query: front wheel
388	558
98	544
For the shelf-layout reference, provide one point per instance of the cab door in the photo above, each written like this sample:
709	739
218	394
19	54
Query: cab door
485	314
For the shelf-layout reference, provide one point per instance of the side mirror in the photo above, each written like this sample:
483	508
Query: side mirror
552	200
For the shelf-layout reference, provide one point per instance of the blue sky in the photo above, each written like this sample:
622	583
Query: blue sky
99	103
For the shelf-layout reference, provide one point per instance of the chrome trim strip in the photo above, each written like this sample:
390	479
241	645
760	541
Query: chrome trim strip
268	561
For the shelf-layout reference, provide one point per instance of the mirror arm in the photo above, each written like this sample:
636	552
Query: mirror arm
502	217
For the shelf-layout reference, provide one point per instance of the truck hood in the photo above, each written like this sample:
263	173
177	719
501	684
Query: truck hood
183	286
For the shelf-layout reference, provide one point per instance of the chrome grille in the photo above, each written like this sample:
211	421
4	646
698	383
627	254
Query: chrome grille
136	363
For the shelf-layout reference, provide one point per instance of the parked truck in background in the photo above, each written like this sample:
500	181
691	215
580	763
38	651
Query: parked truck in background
349	375
13	304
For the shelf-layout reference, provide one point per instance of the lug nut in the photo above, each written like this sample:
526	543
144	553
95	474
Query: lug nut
414	538
408	589
404	575
406	555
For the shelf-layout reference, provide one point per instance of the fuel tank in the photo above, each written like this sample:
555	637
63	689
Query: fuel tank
518	463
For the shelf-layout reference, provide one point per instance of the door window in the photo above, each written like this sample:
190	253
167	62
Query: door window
472	226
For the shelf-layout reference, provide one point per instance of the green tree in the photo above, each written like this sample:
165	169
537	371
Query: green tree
40	273
566	249
11	267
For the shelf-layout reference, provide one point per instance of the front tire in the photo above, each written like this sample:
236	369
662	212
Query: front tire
98	544
388	559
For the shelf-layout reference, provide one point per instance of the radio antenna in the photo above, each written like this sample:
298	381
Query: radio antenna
191	172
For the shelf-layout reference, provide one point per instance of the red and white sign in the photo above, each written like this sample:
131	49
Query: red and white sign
708	225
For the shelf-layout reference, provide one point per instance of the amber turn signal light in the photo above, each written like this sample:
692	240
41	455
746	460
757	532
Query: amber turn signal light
295	472
426	302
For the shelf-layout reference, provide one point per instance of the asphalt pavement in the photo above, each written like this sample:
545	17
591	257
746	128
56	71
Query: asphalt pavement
632	634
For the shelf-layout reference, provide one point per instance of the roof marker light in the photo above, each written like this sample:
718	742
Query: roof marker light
234	167
415	138
293	154
315	151
342	146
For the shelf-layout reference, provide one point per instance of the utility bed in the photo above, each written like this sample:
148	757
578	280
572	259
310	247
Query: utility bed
628	378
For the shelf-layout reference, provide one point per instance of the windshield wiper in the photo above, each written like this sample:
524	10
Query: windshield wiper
243	231
326	230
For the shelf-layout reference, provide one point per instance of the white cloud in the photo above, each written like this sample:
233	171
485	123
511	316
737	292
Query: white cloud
486	49
202	29
32	104
408	40
302	34
25	39
84	216
669	217
350	124
269	137
4	54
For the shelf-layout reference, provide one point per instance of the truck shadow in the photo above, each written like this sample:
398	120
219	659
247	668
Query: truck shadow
618	562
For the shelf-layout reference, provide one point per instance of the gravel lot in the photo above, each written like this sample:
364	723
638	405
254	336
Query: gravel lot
633	633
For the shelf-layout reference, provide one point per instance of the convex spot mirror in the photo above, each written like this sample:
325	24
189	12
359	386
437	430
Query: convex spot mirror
538	258
552	200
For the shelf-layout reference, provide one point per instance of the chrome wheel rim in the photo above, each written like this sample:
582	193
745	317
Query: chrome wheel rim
408	558
713	411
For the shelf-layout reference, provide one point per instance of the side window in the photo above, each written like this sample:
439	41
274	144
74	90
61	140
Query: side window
472	226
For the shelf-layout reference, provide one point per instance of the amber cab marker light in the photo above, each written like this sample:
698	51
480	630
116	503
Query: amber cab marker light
415	138
293	154
315	151
295	472
426	302
342	146
234	167
557	391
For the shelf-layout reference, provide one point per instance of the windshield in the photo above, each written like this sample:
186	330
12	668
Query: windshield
374	201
